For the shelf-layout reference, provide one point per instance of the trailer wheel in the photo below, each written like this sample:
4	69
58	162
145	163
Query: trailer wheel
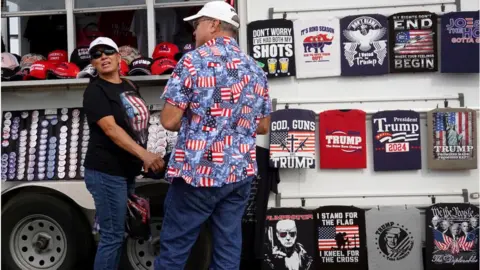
41	231
140	255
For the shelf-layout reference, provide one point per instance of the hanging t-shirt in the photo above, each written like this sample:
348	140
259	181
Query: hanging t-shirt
394	238
413	42
289	242
342	139
452	237
165	27
396	141
341	238
292	139
116	25
253	221
270	43
364	45
317	48
51	28
452	139
460	42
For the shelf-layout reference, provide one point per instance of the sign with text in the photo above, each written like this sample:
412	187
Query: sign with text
270	43
413	42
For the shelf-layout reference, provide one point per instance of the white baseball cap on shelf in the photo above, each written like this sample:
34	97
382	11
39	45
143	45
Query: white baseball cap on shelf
219	10
103	41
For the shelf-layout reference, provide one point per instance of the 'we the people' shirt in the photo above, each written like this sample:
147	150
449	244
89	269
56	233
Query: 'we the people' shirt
224	95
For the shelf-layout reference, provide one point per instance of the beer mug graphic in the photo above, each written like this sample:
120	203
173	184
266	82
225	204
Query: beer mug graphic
283	65
272	65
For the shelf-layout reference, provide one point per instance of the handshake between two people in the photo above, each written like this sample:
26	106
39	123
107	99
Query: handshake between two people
152	162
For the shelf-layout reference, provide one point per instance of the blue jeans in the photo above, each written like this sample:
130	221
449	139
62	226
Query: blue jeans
110	195
187	208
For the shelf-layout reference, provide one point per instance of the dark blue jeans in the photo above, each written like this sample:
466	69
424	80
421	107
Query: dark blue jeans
187	208
110	195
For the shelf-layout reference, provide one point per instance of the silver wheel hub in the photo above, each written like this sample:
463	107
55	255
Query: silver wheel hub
141	254
38	242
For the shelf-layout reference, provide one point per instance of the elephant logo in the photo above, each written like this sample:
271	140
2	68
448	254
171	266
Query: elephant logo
317	43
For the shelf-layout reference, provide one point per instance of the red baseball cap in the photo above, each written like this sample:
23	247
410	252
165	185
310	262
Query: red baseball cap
124	68
39	70
165	49
58	56
65	70
163	65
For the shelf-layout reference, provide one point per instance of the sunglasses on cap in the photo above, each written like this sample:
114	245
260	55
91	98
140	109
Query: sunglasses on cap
97	53
284	234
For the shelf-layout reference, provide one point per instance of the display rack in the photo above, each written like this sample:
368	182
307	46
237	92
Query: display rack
284	11
65	84
432	195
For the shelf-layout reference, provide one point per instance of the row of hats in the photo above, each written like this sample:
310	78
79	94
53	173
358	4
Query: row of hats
56	65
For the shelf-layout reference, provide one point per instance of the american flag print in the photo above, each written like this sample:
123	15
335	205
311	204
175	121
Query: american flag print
234	64
206	82
179	155
329	236
196	145
454	246
414	42
292	142
453	129
214	84
137	114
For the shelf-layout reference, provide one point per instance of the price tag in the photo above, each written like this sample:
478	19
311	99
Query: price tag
397	147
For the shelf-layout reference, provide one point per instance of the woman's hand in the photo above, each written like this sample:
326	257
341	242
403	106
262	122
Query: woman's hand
152	161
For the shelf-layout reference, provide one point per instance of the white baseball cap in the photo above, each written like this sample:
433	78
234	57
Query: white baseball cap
103	41
219	10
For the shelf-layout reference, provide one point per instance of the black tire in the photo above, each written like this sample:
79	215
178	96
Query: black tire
139	255
61	218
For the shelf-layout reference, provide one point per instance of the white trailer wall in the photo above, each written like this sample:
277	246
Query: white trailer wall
337	182
303	182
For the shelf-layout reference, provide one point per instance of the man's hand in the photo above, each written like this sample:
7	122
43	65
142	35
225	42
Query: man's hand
152	161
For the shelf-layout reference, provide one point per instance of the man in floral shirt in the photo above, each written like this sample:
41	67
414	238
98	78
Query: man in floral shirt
217	97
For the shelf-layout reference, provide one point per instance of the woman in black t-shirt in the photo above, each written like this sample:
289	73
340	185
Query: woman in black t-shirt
117	117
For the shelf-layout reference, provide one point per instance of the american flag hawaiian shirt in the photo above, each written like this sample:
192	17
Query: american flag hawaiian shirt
224	94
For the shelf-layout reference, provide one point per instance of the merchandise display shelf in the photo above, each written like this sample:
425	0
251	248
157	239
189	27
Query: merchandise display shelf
147	80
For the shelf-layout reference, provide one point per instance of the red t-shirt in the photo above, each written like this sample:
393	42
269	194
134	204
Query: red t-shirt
343	139
116	25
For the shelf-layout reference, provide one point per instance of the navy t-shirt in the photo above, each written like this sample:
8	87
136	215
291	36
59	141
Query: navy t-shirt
413	42
460	42
396	140
364	45
292	139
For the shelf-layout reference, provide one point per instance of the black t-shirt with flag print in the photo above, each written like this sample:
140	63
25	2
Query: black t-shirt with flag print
124	103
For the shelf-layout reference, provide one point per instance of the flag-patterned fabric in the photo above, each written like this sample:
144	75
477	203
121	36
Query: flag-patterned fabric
327	237
223	93
458	121
445	242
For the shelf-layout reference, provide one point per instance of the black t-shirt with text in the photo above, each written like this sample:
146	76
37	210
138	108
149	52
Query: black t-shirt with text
288	241
341	234
123	102
253	221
